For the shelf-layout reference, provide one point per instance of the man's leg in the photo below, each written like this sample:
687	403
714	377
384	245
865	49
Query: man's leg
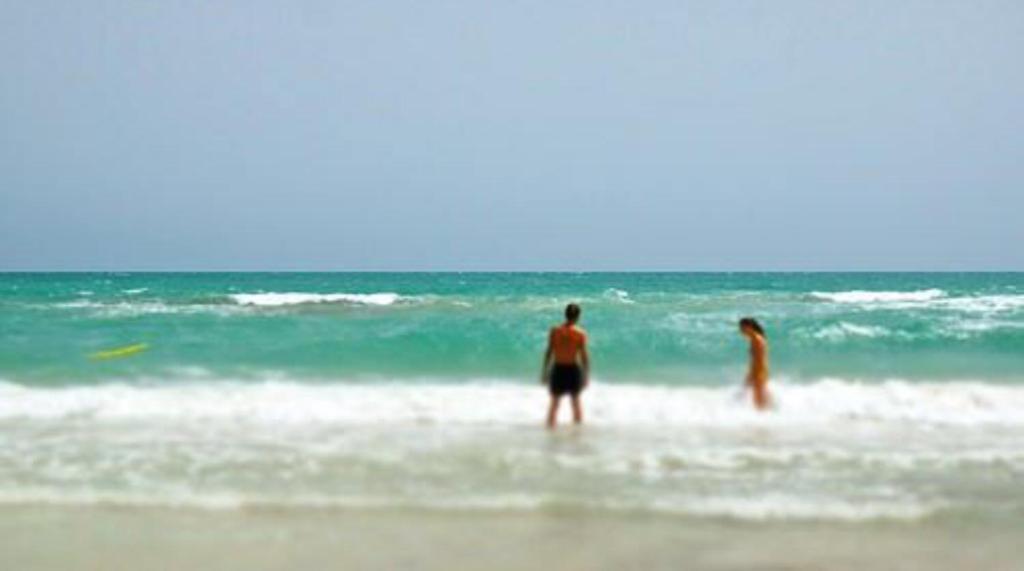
577	409
553	410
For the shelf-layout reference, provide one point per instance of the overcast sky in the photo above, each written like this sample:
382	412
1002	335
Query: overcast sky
512	134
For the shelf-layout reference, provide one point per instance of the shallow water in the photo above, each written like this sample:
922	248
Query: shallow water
900	397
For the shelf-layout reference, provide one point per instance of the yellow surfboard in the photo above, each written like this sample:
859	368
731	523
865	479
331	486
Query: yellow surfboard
120	352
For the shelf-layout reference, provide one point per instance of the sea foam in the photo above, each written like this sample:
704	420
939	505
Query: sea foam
507	403
833	450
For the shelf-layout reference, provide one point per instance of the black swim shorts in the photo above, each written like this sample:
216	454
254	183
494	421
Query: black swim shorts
566	379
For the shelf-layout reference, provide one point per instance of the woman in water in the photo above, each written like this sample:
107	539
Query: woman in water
757	376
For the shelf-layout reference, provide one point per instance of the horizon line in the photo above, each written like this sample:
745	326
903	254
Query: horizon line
510	271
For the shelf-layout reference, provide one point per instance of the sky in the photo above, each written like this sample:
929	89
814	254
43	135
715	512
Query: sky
511	135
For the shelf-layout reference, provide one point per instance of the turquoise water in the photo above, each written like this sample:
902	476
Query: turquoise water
899	397
644	327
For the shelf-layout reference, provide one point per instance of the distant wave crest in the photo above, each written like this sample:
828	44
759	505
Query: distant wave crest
844	330
864	296
926	299
276	299
619	295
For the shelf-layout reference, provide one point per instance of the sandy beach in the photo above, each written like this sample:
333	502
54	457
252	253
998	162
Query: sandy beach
52	539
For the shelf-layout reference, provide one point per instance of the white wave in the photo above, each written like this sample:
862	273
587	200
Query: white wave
113	310
967	328
926	299
505	403
793	508
679	461
984	303
184	497
274	299
77	304
135	291
863	296
844	330
618	295
758	508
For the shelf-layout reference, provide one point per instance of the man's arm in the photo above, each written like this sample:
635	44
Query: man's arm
547	361
585	362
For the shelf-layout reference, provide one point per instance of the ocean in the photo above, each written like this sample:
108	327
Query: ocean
899	404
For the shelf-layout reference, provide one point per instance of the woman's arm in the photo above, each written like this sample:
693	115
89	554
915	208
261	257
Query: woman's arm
760	360
758	379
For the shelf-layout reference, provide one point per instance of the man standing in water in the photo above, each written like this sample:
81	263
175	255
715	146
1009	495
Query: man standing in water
566	368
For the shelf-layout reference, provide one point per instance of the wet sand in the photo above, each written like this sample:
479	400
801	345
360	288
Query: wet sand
44	538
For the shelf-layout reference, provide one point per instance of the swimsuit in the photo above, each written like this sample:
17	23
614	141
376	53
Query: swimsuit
566	379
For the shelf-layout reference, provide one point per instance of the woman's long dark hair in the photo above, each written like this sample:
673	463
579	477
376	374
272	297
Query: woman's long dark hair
753	324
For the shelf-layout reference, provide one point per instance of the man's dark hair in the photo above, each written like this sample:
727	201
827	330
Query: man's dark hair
572	312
